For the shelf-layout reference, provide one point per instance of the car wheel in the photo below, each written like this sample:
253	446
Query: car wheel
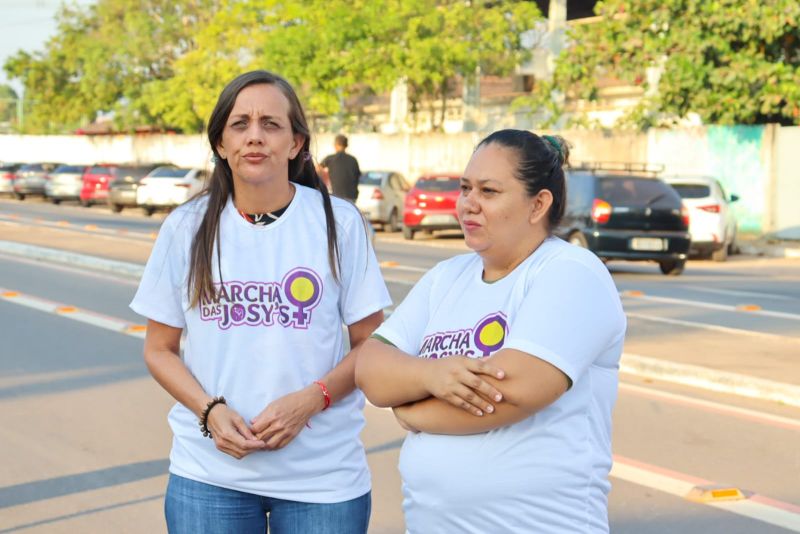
720	255
578	239
672	267
55	201
393	224
86	203
408	233
19	196
116	208
149	211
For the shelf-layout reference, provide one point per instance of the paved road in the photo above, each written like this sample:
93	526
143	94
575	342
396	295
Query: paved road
85	439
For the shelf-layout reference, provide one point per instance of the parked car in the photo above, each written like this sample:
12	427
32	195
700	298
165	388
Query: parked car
431	204
169	186
123	186
624	212
95	183
712	222
8	172
65	183
31	178
380	198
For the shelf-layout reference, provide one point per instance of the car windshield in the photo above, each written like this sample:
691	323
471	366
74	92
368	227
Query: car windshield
636	192
71	169
438	183
33	167
371	178
100	170
168	172
692	190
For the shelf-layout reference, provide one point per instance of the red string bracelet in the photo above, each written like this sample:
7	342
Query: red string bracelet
324	394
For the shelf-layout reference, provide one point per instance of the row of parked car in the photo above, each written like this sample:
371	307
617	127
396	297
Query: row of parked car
150	186
619	211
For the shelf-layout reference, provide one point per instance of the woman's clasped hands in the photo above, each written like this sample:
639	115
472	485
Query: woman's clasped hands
274	428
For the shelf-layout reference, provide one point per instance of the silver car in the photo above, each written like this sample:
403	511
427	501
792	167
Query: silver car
65	183
31	178
380	198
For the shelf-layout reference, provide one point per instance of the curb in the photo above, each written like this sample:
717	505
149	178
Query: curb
641	366
73	259
710	379
771	251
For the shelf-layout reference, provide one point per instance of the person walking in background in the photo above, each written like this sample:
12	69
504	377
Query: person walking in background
261	271
503	364
343	170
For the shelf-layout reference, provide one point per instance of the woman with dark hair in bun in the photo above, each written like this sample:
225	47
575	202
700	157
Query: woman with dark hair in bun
261	272
503	363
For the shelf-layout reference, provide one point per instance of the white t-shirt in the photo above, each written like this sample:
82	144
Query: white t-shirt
549	472
276	328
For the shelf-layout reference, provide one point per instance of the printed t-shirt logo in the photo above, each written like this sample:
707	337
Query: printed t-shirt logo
485	338
288	303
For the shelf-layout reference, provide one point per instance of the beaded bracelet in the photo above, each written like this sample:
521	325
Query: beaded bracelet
204	416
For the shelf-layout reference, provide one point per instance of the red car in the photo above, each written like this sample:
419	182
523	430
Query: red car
96	180
431	204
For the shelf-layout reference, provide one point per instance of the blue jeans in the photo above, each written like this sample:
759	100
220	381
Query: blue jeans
196	508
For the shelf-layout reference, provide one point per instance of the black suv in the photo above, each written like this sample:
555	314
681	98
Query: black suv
623	211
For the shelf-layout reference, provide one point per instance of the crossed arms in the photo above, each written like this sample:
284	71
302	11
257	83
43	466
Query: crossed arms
457	395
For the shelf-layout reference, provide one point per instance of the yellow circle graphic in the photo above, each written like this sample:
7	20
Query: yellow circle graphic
492	334
302	289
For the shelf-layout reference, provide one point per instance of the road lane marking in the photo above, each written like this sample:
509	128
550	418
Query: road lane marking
764	509
710	379
76	314
397	266
711	406
634	294
713	327
738	293
93	229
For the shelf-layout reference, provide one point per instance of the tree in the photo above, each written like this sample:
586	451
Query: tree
163	62
102	59
728	61
8	105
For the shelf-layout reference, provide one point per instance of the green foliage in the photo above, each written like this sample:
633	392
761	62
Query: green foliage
103	59
163	62
728	61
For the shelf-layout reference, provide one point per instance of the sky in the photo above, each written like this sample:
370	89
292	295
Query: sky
27	25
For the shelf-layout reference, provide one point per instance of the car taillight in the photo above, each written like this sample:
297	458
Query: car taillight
182	185
8	176
711	208
46	177
601	211
377	194
685	216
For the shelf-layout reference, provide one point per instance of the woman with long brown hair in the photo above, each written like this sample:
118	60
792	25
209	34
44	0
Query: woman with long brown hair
260	273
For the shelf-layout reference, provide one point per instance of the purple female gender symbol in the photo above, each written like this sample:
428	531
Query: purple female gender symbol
301	315
487	349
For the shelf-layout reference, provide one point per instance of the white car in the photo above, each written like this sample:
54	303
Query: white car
712	223
168	186
380	198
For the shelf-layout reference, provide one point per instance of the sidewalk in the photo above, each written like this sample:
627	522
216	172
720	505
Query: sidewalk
715	371
783	244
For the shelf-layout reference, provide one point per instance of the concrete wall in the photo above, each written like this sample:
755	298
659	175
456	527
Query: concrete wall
758	163
785	193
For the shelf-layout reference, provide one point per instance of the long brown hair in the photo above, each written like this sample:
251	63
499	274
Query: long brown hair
301	171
